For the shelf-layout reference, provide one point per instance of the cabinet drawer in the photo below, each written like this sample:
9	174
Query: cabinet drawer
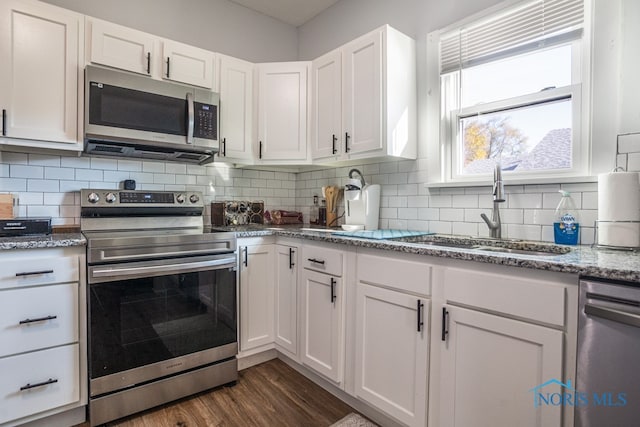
20	311
322	259
538	300
401	274
57	366
38	271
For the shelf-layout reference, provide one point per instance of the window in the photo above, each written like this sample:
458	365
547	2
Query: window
511	92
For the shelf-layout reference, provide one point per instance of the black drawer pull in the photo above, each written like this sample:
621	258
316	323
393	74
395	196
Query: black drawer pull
39	319
30	386
316	261
34	273
168	65
333	290
445	321
420	314
148	62
291	263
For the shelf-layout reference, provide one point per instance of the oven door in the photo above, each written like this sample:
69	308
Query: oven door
148	320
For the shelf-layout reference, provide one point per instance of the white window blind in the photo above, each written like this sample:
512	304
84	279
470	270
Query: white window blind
523	28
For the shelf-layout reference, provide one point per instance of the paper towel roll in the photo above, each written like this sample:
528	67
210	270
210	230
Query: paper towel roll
619	200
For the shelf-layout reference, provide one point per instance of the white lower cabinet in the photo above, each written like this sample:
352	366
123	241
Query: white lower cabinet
490	366
323	325
256	296
286	298
42	334
392	352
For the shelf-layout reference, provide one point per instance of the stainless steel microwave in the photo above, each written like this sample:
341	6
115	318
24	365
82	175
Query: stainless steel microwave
128	115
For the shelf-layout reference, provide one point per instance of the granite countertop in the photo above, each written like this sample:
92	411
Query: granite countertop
55	240
583	260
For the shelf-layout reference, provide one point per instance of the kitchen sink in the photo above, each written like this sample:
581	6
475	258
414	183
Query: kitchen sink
503	246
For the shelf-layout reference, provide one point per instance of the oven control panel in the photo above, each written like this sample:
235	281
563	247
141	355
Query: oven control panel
137	198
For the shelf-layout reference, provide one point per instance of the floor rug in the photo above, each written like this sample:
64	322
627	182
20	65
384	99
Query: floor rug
354	420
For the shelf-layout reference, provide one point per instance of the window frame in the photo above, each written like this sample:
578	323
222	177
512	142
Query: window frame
444	169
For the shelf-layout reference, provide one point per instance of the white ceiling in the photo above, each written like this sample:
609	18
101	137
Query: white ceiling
294	12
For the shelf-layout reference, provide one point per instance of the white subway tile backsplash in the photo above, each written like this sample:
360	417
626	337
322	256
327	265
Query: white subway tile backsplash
48	186
68	186
464	201
130	165
59	173
397	202
407	213
525	232
524	201
89	175
175	168
429	214
590	200
153	167
104	164
465	228
60	199
408	190
389	167
398	178
441	227
4	170
32	199
390	213
75	162
23	171
44	160
418	202
138	177
12	158
37	210
443	201
512	216
451	214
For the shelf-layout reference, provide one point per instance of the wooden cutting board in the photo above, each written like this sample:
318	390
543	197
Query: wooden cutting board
6	206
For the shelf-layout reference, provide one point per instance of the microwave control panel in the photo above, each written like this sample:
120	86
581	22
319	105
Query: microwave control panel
206	121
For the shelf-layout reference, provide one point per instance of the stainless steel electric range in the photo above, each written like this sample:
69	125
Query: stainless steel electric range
161	300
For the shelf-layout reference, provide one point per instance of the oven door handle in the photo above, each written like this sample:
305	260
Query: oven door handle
114	271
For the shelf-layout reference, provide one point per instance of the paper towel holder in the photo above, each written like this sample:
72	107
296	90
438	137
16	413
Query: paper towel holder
595	243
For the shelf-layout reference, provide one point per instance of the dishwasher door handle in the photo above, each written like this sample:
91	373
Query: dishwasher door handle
613	314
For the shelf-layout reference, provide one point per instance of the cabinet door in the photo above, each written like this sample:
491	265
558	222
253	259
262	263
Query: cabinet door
39	52
256	296
286	325
326	121
121	47
282	111
322	332
236	108
362	93
392	352
187	64
490	366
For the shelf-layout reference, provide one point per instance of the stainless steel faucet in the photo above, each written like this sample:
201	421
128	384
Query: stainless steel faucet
494	224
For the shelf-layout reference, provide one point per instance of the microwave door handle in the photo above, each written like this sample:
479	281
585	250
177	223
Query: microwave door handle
191	118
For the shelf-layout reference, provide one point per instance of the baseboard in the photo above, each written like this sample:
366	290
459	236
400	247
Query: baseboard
63	419
248	361
366	410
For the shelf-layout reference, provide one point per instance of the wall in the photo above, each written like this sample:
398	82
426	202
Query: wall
216	25
528	211
49	185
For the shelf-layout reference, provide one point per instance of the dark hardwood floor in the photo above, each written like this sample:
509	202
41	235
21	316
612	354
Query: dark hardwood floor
269	394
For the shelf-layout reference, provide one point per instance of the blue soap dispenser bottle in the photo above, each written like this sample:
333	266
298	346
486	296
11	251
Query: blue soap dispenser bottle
566	225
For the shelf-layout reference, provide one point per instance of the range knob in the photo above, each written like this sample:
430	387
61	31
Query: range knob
194	198
180	198
93	198
110	198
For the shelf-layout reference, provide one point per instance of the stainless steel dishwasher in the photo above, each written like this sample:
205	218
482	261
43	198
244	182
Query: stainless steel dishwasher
607	377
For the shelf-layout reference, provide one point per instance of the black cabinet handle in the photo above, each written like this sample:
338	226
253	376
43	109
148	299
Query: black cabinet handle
346	142
420	316
291	263
148	62
445	320
224	147
168	65
246	256
333	290
39	319
29	386
333	144
316	261
34	273
260	150
4	122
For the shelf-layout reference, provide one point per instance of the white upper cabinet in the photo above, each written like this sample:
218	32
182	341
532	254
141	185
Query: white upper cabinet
376	85
121	47
282	112
187	64
236	108
326	123
40	53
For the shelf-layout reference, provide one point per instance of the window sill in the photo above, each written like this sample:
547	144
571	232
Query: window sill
513	181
